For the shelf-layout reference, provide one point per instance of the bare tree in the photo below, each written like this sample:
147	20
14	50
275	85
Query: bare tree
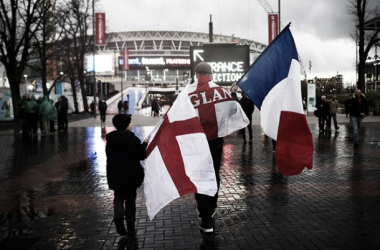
76	23
364	10
18	26
45	42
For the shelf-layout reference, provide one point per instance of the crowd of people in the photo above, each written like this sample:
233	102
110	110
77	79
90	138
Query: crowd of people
42	113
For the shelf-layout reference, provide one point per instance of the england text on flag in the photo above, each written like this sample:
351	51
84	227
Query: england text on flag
220	113
273	83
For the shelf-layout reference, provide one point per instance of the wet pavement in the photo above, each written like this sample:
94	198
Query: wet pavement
54	194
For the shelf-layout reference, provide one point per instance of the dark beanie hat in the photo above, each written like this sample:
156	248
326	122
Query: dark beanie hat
204	68
121	121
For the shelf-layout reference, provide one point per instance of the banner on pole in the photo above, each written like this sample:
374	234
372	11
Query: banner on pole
100	29
125	59
272	27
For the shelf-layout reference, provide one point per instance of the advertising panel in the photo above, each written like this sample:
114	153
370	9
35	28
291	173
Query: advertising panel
140	62
272	27
100	29
228	61
311	97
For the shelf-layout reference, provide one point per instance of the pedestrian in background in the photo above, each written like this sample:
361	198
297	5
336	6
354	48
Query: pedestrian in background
126	107
39	101
92	108
102	109
323	112
248	107
333	109
62	113
31	109
347	105
120	107
124	172
53	117
358	111
44	112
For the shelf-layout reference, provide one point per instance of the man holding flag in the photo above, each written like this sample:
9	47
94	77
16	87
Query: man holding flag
186	146
220	115
273	83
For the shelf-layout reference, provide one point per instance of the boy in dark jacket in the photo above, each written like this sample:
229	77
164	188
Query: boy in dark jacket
124	172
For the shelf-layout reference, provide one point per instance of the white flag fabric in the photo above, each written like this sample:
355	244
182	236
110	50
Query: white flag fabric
178	160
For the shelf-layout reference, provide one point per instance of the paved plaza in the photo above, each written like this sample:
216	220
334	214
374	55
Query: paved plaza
54	194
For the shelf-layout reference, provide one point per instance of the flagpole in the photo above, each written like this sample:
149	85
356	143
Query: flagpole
93	54
279	16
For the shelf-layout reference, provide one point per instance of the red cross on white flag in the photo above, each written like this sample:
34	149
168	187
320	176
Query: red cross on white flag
178	160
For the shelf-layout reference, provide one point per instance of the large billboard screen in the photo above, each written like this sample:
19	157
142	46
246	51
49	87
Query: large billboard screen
104	64
228	61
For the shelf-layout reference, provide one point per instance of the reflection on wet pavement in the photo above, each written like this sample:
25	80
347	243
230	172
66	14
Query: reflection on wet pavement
54	195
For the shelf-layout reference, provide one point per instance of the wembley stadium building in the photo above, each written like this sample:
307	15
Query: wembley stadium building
157	57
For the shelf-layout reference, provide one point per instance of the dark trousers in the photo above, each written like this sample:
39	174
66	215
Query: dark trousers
249	127
62	122
332	117
103	116
207	204
125	204
32	119
322	120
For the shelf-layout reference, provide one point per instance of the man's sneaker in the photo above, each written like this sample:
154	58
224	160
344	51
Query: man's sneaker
207	226
337	128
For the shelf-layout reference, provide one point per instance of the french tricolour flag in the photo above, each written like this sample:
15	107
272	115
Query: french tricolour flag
178	159
273	83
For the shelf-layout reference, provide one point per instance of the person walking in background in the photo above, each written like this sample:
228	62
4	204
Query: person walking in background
323	111
155	107
63	112
248	107
31	109
53	117
44	112
124	172
333	108
120	107
347	106
102	109
358	111
126	107
39	101
92	108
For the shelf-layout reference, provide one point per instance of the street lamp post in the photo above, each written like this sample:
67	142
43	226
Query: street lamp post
376	76
93	55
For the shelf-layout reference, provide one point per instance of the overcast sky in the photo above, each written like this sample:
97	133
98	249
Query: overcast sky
321	28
